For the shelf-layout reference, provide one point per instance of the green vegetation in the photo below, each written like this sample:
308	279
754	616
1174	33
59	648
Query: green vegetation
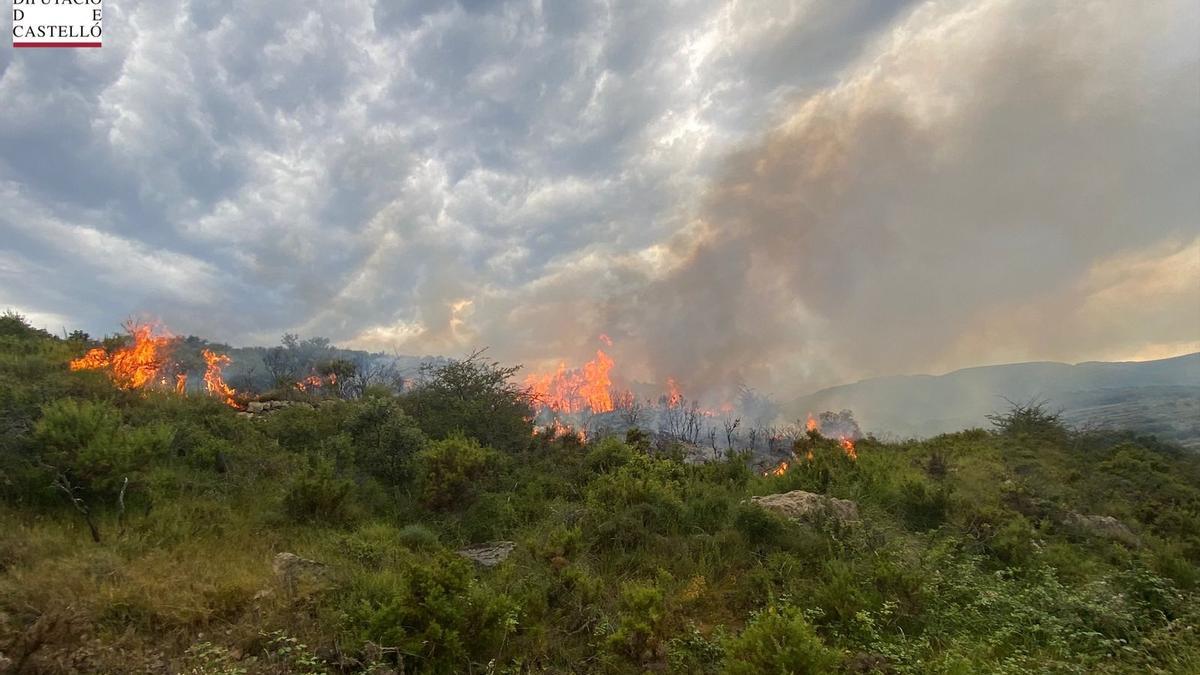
141	528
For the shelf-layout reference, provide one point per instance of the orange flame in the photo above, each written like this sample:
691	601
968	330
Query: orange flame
809	456
557	429
572	391
811	424
674	395
848	447
181	383
778	470
316	382
132	366
213	381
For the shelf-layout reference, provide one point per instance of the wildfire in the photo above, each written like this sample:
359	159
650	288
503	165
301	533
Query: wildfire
848	447
571	391
779	470
133	366
557	429
846	443
316	382
213	381
674	395
181	384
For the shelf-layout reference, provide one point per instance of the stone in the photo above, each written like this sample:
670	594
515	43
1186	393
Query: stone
254	407
1104	526
799	504
489	554
292	571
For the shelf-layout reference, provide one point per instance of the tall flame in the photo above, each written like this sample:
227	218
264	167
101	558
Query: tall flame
571	391
674	395
132	366
213	381
848	447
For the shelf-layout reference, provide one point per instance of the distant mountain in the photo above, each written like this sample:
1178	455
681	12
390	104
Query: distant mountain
1160	397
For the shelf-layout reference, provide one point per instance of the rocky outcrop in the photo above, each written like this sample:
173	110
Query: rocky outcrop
1106	527
799	504
258	408
489	554
294	572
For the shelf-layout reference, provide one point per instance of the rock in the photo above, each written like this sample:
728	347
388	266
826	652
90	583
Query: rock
489	554
799	504
1104	526
293	571
254	407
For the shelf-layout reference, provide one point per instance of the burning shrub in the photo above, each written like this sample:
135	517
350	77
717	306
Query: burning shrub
779	640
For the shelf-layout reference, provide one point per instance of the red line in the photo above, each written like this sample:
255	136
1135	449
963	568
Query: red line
53	45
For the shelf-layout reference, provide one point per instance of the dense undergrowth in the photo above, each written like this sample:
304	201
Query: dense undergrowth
626	561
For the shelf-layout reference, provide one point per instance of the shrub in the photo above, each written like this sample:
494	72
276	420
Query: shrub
418	538
430	610
923	507
607	455
640	621
318	495
386	439
779	640
449	471
475	397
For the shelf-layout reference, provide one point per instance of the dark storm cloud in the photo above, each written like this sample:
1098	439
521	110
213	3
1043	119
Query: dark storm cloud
429	176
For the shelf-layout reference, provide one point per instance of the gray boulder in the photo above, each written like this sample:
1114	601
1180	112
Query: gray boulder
1106	527
294	572
799	504
489	554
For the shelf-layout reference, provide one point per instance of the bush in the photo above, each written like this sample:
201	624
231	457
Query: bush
639	633
318	495
779	640
922	506
431	611
386	439
474	397
86	443
449	472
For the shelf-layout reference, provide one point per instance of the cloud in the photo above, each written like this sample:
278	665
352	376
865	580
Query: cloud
781	193
987	157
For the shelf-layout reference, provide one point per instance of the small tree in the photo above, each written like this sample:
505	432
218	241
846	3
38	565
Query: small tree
476	397
1031	418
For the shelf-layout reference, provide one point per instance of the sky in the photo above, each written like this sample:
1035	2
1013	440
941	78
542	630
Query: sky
780	194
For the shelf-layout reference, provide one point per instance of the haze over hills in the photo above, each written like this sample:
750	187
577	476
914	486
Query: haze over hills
1161	397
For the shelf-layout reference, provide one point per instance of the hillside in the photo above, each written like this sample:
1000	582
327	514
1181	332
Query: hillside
431	530
1160	397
